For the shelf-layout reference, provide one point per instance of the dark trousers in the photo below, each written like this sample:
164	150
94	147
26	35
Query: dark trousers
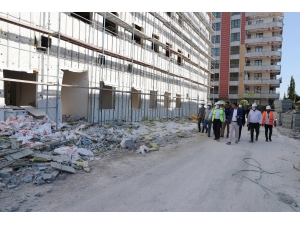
254	126
199	122
217	124
270	129
240	131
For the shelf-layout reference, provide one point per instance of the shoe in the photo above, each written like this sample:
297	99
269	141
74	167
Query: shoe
270	139
227	136
222	136
218	139
267	140
256	139
239	140
251	141
215	138
236	142
228	143
208	135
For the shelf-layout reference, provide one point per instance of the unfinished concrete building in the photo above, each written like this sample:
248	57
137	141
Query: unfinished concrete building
124	66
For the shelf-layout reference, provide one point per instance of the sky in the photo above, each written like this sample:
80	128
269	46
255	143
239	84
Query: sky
290	62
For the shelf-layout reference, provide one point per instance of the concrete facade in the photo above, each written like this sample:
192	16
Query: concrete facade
136	58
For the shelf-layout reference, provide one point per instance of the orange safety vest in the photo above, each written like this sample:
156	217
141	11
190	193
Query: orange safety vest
271	119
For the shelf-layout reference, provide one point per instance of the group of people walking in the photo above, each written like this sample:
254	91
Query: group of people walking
233	118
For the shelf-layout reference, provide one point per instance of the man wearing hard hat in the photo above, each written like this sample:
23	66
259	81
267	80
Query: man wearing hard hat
207	124
268	120
254	121
200	116
217	116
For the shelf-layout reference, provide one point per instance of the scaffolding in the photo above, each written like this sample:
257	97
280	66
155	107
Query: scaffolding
168	74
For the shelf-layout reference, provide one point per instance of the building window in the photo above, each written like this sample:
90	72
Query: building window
215	39
257	101
257	89
217	14
259	35
258	49
178	101
215	64
153	100
257	76
235	24
235	36
216	26
137	39
234	63
215	51
233	90
168	52
234	77
85	17
234	50
179	59
154	46
235	13
214	90
258	62
214	77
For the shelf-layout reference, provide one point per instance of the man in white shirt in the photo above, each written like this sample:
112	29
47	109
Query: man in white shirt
254	121
235	121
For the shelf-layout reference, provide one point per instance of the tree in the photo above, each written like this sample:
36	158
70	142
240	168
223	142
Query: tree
291	90
284	96
244	102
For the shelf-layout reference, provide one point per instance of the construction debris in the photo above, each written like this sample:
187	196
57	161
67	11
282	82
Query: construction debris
33	151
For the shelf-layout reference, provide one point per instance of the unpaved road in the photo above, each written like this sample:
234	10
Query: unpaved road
194	175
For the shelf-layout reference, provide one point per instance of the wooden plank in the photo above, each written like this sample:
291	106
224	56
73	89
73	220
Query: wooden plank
61	167
6	163
33	111
19	155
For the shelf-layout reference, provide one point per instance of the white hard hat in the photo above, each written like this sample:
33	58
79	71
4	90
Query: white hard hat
268	107
202	103
254	105
209	103
219	103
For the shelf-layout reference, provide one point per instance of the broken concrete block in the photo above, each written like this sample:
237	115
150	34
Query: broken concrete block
61	167
55	173
63	176
5	175
19	155
12	186
42	168
130	144
2	185
6	181
39	194
28	179
39	180
47	176
14	208
61	158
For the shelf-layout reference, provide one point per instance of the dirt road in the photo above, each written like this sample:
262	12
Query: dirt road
198	174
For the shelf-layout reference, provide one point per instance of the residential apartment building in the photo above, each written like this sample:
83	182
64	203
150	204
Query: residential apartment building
247	52
105	66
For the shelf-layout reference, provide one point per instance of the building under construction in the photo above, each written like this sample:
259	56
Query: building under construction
104	66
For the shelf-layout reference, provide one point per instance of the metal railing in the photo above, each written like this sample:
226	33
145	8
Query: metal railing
254	37
272	50
263	64
260	21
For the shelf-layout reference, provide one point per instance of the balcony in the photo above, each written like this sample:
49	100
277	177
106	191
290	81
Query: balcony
215	83
262	94
276	39
265	24
233	96
262	67
276	53
233	83
214	96
259	80
263	14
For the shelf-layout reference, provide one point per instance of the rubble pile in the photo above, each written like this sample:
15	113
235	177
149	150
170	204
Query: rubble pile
33	151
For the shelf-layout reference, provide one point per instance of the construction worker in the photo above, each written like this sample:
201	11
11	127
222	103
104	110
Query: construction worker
200	115
226	122
243	120
207	124
254	121
268	120
235	121
217	116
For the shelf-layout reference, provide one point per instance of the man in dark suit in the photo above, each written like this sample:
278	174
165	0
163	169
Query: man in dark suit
243	120
235	121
